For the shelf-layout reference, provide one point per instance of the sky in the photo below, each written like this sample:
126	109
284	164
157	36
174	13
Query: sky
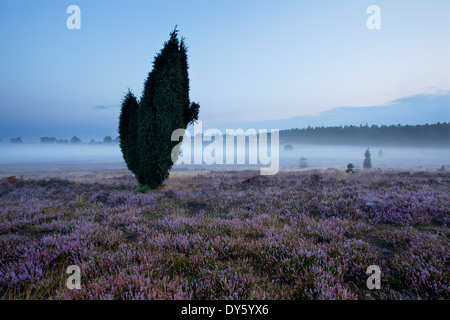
250	60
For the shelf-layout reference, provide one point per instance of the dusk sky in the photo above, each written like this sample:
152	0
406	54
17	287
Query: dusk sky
250	60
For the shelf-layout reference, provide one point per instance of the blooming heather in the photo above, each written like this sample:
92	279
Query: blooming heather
228	235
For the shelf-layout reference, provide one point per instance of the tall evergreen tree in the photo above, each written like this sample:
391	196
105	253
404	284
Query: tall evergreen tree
163	108
128	123
190	110
367	164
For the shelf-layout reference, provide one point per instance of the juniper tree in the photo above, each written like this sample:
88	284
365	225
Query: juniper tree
367	164
163	108
128	123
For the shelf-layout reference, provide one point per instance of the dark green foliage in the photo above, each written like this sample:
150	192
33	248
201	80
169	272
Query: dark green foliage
127	131
302	162
350	168
142	189
163	108
191	114
367	164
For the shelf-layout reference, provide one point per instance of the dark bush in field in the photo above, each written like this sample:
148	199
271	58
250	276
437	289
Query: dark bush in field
367	164
350	168
303	162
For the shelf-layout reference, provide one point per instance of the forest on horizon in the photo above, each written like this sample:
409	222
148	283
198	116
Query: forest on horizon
427	135
431	135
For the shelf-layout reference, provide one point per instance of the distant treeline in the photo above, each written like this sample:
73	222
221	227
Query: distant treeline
74	140
437	135
433	135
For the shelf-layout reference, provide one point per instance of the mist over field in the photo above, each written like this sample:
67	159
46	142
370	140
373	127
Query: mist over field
32	153
317	156
324	156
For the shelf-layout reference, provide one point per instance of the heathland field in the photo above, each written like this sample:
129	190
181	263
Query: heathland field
307	234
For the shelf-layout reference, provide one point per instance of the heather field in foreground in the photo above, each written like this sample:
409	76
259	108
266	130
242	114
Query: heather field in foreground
228	235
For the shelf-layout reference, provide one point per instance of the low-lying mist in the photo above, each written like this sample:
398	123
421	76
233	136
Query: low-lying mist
33	153
314	156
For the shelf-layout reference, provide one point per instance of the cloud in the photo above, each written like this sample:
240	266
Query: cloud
104	107
417	109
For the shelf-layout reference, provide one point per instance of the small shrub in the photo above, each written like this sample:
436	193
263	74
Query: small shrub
350	168
302	163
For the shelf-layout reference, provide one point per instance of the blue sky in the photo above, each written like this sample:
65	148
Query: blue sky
250	60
